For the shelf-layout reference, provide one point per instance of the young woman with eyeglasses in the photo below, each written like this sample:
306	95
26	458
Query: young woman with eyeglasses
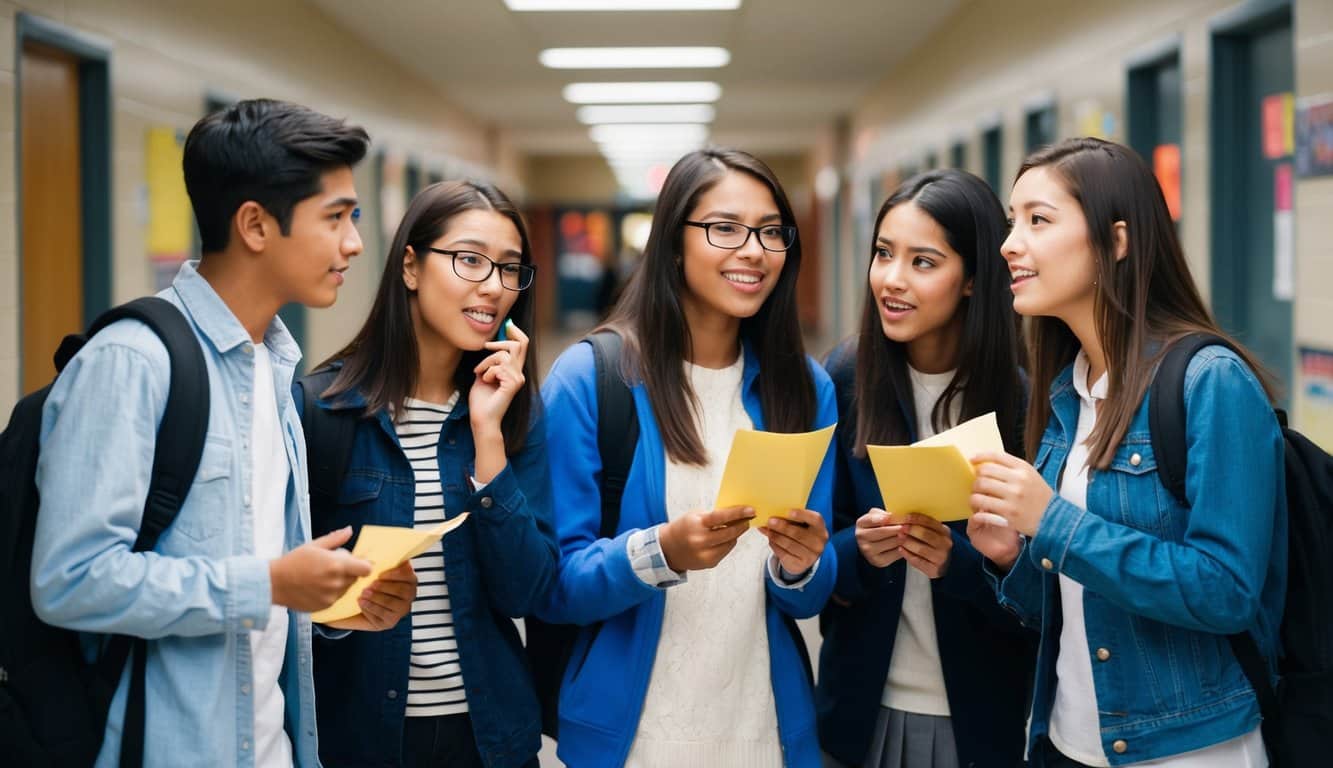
446	422
689	653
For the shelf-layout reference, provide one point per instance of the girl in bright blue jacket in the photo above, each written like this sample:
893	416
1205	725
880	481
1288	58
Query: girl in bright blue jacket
689	654
1134	593
920	666
446	421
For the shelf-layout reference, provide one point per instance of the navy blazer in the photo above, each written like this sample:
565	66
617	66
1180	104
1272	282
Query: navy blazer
498	566
987	656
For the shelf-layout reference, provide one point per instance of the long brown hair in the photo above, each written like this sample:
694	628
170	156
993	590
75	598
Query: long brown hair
987	377
651	319
381	361
1142	303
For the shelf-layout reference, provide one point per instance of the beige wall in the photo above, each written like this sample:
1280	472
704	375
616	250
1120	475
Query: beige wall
1076	55
168	55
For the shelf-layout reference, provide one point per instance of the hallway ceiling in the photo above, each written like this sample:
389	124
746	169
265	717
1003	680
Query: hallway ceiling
795	64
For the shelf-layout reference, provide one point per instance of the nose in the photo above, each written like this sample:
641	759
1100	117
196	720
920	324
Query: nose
1009	249
491	286
352	245
751	249
893	276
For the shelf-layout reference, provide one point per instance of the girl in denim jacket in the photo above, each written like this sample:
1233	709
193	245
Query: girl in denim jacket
689	655
447	422
1134	593
902	683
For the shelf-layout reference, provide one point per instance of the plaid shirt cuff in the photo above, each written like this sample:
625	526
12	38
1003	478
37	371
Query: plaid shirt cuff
648	562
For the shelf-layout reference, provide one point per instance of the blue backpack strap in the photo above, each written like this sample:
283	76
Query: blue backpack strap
176	454
1166	421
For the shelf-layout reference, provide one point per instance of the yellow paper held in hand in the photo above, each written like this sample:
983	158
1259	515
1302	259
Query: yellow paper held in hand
772	471
387	547
934	476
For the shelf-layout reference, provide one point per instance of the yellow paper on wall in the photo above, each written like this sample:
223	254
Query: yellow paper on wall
773	472
387	547
934	476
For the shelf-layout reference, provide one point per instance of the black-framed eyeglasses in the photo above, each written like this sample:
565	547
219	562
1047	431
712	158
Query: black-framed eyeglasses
476	268
731	235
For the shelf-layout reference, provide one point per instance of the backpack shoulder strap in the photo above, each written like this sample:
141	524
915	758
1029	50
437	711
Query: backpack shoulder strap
176	453
1166	410
617	425
1166	422
328	440
180	436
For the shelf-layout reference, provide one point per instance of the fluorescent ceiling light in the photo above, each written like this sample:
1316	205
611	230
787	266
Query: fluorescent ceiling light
646	113
643	93
672	132
623	5
663	57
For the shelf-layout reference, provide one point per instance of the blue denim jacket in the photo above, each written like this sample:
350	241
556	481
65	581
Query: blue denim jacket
1164	583
202	591
497	565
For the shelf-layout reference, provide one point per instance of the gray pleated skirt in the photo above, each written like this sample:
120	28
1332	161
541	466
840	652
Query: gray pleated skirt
909	740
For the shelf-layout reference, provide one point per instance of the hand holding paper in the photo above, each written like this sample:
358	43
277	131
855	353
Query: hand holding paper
386	547
772	472
934	477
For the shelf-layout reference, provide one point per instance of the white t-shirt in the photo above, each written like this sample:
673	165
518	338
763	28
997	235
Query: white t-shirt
710	697
1075	728
915	682
269	473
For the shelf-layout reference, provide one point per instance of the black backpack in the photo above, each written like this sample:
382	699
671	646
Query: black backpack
53	705
1298	715
550	646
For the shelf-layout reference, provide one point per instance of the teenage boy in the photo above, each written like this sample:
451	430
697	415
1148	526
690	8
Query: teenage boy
225	596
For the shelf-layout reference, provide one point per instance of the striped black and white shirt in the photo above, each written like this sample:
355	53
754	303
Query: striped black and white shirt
435	685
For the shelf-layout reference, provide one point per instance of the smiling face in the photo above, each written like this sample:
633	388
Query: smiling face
1048	250
918	281
730	283
307	264
460	313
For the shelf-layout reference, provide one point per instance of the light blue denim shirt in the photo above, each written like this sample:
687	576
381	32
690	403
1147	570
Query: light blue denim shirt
201	592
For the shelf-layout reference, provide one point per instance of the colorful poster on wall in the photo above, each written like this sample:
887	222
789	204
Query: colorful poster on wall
1284	235
1279	125
584	280
1314	399
1166	166
170	221
1314	137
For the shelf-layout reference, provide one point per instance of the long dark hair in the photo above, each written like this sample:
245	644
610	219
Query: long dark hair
987	376
1142	303
381	361
651	319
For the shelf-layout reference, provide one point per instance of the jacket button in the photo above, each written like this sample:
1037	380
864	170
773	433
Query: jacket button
486	502
1046	563
247	623
393	694
1103	654
1120	746
1135	460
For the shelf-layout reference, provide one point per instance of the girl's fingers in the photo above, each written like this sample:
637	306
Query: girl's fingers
881	533
990	518
985	486
791	540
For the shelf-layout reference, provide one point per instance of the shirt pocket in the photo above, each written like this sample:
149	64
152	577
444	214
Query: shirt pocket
204	515
1139	496
359	501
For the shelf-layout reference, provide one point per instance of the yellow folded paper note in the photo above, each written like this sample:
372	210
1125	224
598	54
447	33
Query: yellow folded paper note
773	472
934	476
387	547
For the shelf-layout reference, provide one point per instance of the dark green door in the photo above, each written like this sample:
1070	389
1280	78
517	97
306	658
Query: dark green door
1253	278
991	146
1155	123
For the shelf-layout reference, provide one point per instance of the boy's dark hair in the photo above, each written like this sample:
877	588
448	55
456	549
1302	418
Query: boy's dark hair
271	152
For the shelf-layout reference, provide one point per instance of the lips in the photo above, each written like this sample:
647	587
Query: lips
1021	275
744	280
481	316
894	309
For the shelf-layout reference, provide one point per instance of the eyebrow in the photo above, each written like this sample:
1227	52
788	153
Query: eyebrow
1036	204
481	245
341	202
737	216
917	249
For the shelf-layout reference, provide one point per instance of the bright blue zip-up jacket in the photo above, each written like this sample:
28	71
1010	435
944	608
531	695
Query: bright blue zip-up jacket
607	678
